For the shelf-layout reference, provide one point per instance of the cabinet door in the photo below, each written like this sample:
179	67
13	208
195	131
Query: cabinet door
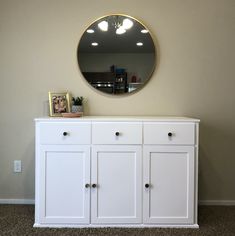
64	172
116	171
169	171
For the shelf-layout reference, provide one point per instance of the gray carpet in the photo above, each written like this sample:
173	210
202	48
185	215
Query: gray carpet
214	220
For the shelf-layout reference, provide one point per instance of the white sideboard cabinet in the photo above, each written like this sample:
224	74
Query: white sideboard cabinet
116	172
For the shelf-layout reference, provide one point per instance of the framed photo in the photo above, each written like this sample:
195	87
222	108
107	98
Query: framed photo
59	103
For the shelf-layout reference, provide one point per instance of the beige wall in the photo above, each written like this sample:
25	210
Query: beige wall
195	77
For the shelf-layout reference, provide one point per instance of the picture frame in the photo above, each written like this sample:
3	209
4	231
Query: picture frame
59	103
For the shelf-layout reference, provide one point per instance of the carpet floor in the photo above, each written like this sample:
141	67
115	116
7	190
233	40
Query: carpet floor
17	220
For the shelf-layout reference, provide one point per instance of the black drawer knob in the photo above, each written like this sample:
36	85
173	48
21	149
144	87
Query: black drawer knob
117	133
65	133
146	185
93	185
169	134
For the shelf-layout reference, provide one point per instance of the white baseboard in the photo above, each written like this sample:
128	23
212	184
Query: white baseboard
17	201
201	202
217	202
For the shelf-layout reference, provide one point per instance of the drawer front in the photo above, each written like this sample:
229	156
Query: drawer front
65	133
169	133
117	133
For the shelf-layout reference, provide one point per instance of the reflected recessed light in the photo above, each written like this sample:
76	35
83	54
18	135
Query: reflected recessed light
103	25
144	31
127	23
120	30
90	31
94	44
139	44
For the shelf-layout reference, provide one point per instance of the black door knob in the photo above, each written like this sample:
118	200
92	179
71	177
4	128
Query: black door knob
65	133
146	185
169	134
93	185
117	133
87	185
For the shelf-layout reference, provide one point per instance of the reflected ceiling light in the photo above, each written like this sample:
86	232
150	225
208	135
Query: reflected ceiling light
103	25
90	31
94	44
139	44
120	30
144	31
127	23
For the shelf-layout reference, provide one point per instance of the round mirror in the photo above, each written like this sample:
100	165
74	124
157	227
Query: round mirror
116	54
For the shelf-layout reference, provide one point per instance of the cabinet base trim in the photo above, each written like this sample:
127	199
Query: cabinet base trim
113	226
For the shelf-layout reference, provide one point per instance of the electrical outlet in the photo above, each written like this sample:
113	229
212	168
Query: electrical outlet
17	166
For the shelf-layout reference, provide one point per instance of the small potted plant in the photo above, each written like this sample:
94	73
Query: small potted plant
77	105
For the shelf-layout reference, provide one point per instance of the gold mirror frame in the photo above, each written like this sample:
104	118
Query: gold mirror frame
104	78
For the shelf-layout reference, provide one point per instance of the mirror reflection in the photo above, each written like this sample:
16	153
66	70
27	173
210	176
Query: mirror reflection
116	54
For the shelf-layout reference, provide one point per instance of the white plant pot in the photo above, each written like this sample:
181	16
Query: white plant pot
77	108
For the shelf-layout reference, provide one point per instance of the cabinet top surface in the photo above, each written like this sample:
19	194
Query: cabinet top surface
119	118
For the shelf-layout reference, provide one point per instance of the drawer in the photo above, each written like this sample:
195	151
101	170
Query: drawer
169	133
65	133
117	133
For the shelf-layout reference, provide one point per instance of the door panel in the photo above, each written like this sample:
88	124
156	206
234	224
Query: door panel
117	172
64	172
170	173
